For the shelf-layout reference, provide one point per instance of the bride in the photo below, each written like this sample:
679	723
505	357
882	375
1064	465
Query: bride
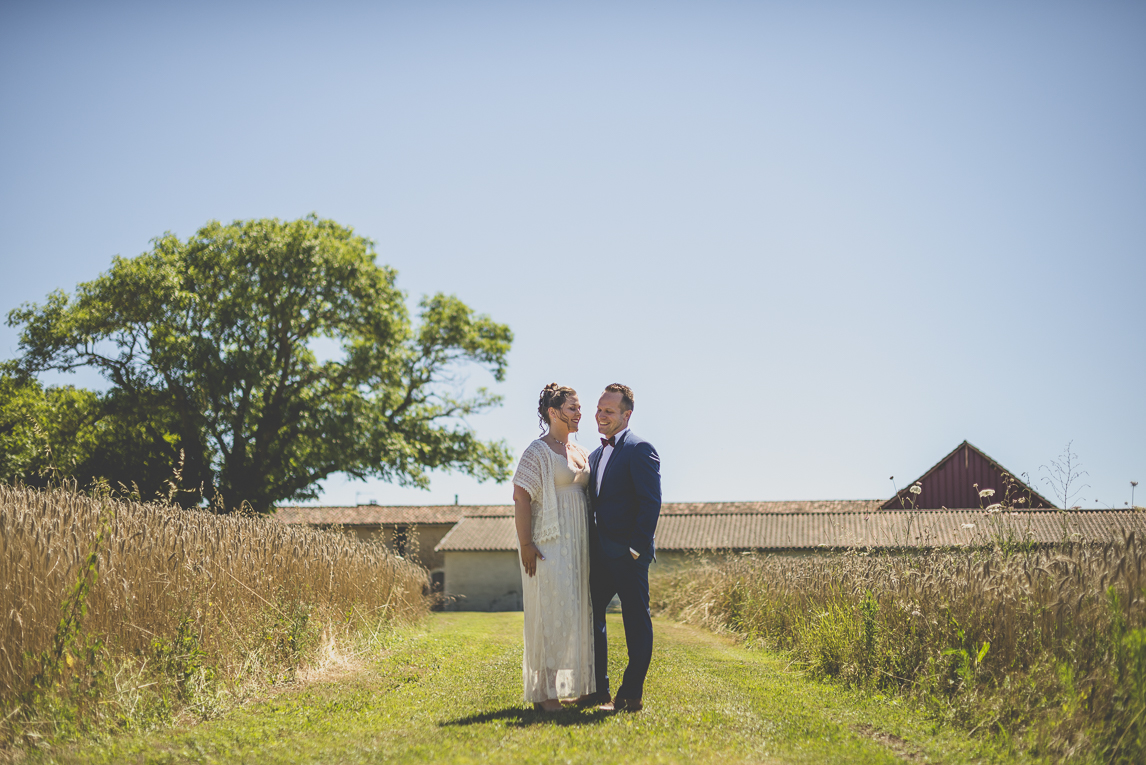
551	515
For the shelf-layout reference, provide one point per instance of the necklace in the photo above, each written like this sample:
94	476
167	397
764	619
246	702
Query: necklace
555	439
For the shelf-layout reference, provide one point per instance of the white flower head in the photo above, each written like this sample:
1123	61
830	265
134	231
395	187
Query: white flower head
916	489
994	508
987	493
968	525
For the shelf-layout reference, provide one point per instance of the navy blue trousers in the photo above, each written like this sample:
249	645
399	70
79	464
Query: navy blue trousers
628	579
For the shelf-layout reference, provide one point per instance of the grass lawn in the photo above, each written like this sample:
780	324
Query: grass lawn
449	690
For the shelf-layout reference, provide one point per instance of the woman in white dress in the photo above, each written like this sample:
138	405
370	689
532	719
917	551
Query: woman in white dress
551	512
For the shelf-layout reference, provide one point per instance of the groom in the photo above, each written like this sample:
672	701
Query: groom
625	492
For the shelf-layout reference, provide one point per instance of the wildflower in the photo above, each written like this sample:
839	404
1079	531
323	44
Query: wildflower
968	525
916	489
994	508
916	613
984	493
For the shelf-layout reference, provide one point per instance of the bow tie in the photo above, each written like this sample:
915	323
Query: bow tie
611	441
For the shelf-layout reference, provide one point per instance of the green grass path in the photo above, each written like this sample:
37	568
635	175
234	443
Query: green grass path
449	690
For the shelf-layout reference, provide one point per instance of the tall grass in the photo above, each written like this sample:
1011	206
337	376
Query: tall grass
119	613
1044	649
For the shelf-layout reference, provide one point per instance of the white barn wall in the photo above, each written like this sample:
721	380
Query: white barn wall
490	580
483	581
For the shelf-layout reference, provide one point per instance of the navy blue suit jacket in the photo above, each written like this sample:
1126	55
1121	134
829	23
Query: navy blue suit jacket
626	510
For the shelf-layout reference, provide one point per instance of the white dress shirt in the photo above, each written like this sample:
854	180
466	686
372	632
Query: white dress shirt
606	453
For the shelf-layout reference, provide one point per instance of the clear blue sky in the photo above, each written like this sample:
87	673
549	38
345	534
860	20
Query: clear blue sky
824	242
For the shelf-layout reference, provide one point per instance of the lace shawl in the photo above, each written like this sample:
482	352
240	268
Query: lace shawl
535	475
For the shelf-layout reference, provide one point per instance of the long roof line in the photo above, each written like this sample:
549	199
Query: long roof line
886	529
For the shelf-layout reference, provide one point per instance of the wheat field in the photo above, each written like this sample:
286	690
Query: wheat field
123	613
1045	648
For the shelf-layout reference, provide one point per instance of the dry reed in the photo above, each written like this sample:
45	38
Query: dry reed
120	613
1043	649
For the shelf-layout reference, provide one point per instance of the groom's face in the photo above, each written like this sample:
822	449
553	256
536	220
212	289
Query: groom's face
612	417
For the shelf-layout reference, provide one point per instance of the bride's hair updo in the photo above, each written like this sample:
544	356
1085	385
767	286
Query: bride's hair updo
552	395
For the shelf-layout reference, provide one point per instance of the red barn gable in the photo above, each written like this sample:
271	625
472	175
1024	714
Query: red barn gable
951	484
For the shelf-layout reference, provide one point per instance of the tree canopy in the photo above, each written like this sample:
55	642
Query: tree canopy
42	427
57	432
209	344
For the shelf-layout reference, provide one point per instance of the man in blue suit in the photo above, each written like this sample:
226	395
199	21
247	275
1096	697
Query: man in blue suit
625	503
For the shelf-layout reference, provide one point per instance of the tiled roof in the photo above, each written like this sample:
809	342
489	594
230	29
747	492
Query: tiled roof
794	531
369	515
482	532
783	507
888	528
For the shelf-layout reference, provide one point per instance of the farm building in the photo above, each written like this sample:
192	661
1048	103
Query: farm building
956	480
408	530
471	551
480	552
482	572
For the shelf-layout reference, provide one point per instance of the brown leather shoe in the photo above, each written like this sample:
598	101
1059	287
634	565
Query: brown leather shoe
623	705
593	699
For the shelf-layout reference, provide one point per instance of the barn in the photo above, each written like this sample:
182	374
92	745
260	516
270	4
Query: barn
482	571
471	551
956	480
412	531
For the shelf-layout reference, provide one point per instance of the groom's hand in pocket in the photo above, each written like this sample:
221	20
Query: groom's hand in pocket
529	557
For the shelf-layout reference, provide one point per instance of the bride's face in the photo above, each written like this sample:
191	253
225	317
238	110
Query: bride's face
569	413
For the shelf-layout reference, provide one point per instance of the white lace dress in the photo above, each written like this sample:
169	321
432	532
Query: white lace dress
558	657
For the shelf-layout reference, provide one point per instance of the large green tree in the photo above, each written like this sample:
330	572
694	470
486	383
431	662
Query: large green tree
209	344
